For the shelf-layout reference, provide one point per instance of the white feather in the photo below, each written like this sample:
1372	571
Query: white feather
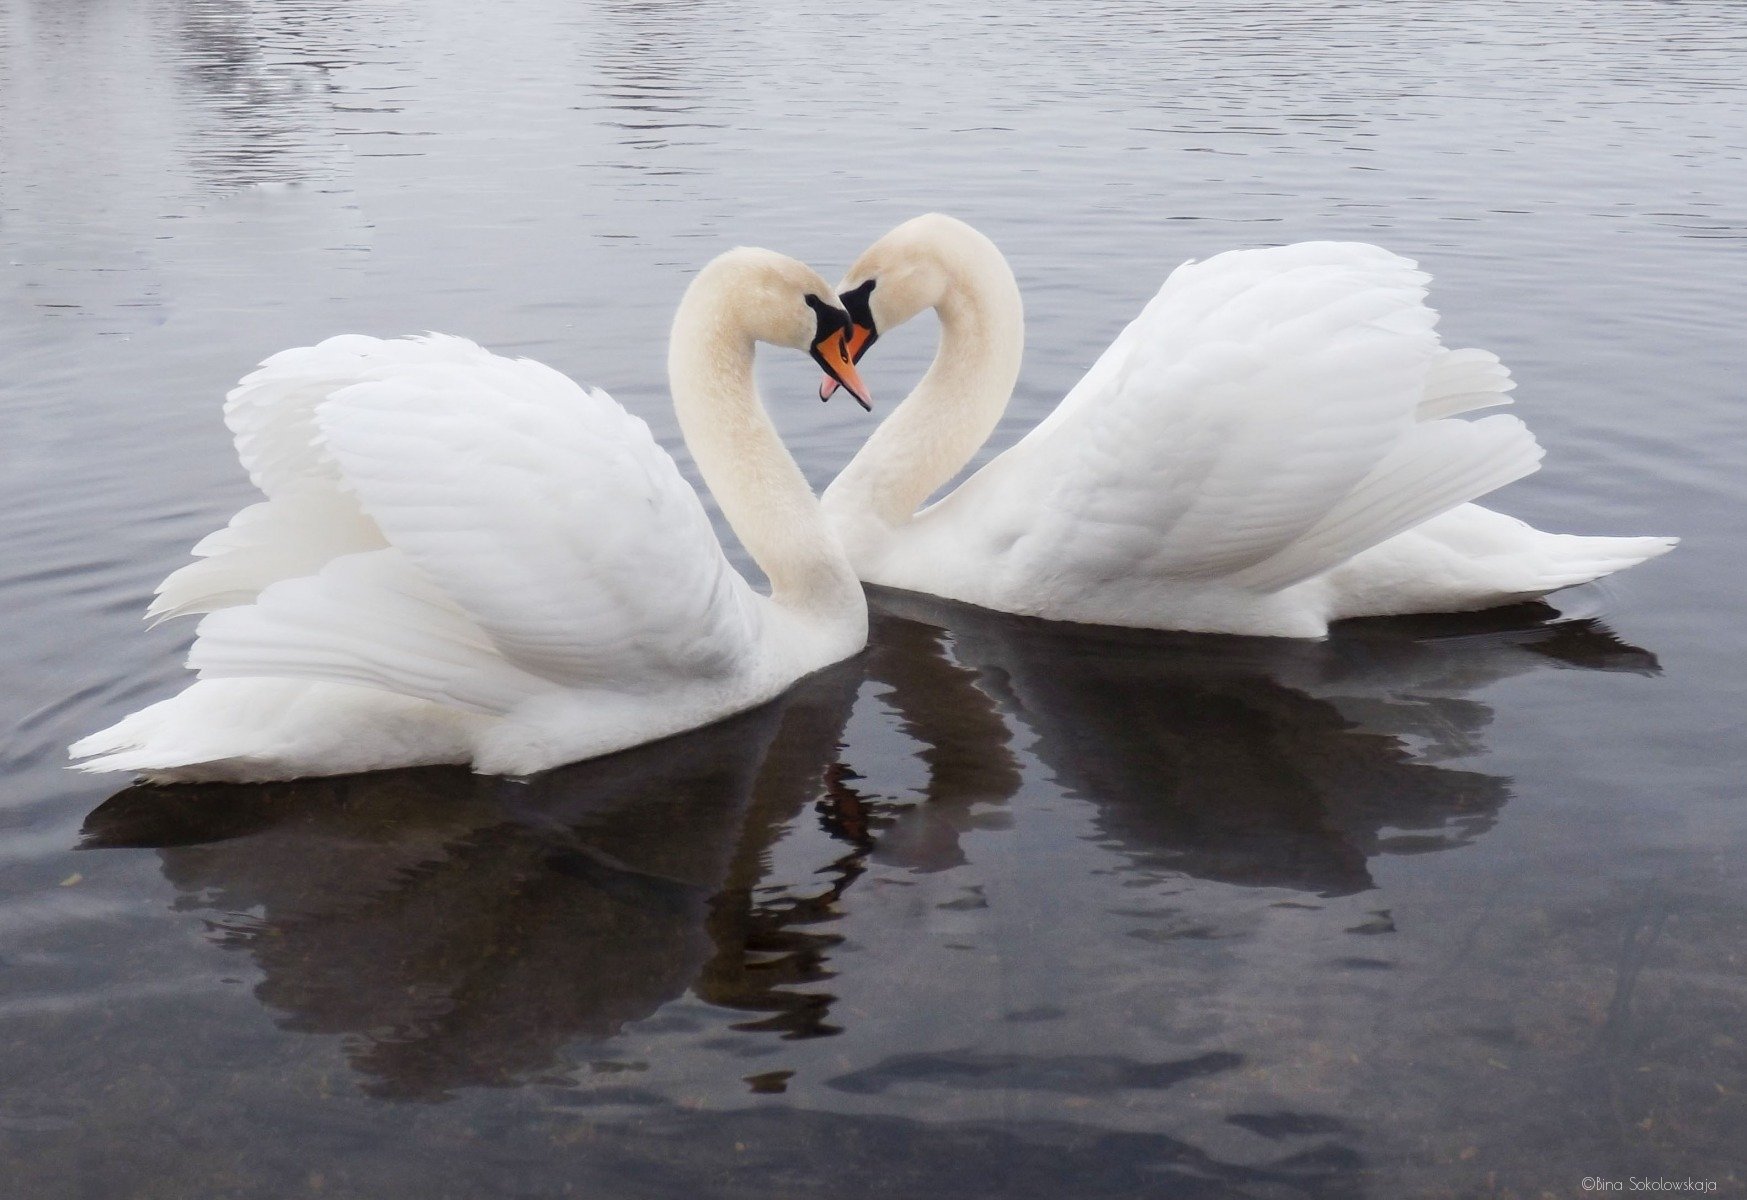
1230	464
468	558
293	534
1431	469
370	620
1463	380
550	516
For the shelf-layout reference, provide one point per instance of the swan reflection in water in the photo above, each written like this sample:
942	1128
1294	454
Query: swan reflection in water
1260	761
461	930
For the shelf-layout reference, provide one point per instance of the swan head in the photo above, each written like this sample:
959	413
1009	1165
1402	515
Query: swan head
772	298
917	266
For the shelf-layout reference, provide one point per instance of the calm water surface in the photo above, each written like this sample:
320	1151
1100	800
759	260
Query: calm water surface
1442	907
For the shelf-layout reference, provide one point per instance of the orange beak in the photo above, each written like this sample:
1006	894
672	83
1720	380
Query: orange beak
834	353
858	339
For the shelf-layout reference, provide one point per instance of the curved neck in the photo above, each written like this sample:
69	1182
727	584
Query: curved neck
744	463
953	410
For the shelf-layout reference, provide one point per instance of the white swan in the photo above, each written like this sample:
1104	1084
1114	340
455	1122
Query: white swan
1267	448
468	558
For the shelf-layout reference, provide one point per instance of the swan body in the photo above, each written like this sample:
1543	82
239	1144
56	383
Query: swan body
1278	441
463	558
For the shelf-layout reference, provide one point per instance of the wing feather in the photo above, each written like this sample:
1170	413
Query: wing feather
1436	467
549	515
1255	392
309	516
295	533
372	620
1464	380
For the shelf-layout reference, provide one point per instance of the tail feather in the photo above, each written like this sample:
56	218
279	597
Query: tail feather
1567	560
242	730
1474	557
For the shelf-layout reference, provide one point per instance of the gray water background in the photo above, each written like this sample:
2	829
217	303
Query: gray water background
1444	907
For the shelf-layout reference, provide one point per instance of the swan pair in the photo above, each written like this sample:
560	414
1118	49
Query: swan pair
467	558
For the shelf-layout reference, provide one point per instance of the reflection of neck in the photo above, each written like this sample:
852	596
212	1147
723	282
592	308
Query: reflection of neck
954	409
744	463
752	913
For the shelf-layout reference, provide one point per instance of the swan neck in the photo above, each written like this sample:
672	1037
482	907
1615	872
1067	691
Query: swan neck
945	420
761	490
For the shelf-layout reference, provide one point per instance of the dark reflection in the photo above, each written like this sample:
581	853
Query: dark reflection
1250	761
460	929
769	944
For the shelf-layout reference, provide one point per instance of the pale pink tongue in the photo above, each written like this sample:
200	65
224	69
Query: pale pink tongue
827	387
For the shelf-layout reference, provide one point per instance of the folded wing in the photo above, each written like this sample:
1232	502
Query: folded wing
308	516
1270	413
536	536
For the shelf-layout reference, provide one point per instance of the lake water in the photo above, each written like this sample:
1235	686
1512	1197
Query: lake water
1441	907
